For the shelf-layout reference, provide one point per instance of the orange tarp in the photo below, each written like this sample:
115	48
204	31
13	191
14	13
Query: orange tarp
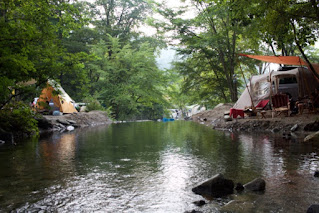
288	60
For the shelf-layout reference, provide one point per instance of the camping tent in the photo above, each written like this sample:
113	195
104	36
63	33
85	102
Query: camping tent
298	82
54	93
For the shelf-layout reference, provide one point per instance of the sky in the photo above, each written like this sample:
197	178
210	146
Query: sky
168	55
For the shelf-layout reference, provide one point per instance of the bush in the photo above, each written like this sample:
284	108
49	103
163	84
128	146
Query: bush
18	118
93	104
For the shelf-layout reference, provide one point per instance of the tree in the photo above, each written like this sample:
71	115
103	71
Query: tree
296	24
118	18
209	42
29	43
129	80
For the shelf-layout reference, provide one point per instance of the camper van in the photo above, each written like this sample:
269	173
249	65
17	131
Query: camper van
297	82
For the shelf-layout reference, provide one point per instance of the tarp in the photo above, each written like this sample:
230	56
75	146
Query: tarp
287	60
53	92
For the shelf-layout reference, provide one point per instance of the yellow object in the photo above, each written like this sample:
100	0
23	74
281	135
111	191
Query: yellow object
55	93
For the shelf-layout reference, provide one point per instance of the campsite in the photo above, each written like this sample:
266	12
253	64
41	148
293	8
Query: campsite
159	106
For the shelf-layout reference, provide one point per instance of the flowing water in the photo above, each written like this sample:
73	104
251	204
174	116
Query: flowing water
152	167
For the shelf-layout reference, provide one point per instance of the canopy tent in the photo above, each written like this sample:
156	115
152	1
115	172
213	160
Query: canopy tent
53	92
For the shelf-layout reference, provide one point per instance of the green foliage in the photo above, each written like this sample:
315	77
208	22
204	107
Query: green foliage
129	79
30	44
18	118
93	104
208	44
273	22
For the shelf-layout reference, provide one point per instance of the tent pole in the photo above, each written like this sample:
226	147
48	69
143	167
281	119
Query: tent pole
270	96
252	103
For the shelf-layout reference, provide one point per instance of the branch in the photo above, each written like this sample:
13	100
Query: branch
302	52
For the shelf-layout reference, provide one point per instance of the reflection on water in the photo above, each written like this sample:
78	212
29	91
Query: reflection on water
152	167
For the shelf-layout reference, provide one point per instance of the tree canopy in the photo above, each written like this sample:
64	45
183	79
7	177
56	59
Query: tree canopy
97	52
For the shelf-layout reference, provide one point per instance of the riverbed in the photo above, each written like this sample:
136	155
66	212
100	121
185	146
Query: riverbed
152	167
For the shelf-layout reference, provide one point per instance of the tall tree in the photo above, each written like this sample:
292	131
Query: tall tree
287	26
210	40
119	18
129	78
29	43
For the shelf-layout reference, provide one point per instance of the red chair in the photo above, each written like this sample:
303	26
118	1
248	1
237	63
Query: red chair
262	104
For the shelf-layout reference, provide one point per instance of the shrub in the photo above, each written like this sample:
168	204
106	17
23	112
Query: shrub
93	104
18	118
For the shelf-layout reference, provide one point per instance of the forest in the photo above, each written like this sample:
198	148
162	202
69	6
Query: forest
97	51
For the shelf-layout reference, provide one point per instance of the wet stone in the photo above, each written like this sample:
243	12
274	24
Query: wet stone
199	202
257	184
63	122
239	187
217	186
313	209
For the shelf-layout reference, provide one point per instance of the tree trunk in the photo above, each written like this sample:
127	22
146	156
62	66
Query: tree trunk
302	52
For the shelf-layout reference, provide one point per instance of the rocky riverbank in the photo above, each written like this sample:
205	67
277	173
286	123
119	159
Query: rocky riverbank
71	121
304	124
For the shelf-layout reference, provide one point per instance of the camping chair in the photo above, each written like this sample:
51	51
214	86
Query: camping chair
260	107
280	103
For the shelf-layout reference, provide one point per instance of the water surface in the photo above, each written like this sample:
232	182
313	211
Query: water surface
152	167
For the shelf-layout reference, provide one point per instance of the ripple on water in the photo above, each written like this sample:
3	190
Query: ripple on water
155	171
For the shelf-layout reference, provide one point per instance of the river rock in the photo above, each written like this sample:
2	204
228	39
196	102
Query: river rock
217	186
43	123
199	202
193	211
257	184
312	137
70	128
312	126
313	208
64	122
239	187
274	130
71	121
294	128
227	118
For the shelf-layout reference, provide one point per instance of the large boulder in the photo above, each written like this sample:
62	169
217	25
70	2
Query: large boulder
217	186
255	185
312	137
43	123
313	208
312	126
